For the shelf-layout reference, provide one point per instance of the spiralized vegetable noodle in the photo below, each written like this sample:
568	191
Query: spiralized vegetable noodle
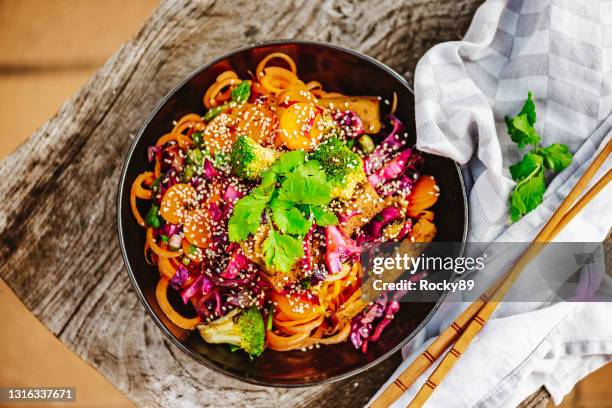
232	226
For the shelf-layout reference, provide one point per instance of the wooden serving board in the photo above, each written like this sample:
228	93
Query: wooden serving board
59	250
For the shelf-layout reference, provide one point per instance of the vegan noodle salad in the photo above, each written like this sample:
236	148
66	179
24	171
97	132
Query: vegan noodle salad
261	207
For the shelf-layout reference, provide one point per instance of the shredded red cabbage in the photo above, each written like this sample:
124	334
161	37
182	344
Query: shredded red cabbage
170	229
172	157
374	229
179	278
390	144
391	170
209	171
383	307
201	285
237	263
154	152
406	228
350	124
339	249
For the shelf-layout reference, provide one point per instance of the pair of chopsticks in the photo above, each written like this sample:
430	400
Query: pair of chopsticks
461	332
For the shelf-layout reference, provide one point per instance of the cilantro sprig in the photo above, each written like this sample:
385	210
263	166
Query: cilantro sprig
529	172
293	195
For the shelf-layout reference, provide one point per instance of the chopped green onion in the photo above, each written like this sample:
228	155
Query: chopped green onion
186	261
213	112
366	143
189	172
197	138
270	317
195	156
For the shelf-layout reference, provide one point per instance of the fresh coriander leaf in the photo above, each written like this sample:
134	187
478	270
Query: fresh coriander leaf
152	218
246	218
164	239
293	188
312	169
527	195
318	191
282	251
288	218
530	164
323	216
241	93
287	162
266	187
529	109
556	156
522	132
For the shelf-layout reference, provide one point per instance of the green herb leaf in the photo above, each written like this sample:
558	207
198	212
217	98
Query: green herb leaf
281	251
288	218
323	216
246	218
521	131
164	239
287	162
556	157
241	93
317	190
152	218
529	165
527	194
529	172
529	109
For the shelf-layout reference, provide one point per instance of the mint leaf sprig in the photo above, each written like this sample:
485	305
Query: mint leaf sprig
529	172
294	194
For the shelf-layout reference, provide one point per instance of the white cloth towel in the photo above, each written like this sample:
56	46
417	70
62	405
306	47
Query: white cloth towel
561	50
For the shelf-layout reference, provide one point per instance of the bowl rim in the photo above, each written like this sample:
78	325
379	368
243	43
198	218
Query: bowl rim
120	228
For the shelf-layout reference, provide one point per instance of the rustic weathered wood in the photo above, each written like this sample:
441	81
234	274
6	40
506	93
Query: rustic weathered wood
59	250
538	399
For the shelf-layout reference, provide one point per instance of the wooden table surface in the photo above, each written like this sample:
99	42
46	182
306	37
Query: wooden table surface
59	252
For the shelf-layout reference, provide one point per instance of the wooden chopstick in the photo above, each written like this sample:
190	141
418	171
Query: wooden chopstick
557	221
560	218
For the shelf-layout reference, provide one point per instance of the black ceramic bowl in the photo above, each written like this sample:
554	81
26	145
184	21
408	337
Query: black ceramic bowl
337	69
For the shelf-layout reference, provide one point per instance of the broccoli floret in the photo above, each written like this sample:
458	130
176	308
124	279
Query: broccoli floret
249	159
244	329
342	166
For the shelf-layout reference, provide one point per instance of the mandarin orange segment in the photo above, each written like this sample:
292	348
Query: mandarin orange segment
218	134
257	122
294	308
197	230
175	203
299	124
